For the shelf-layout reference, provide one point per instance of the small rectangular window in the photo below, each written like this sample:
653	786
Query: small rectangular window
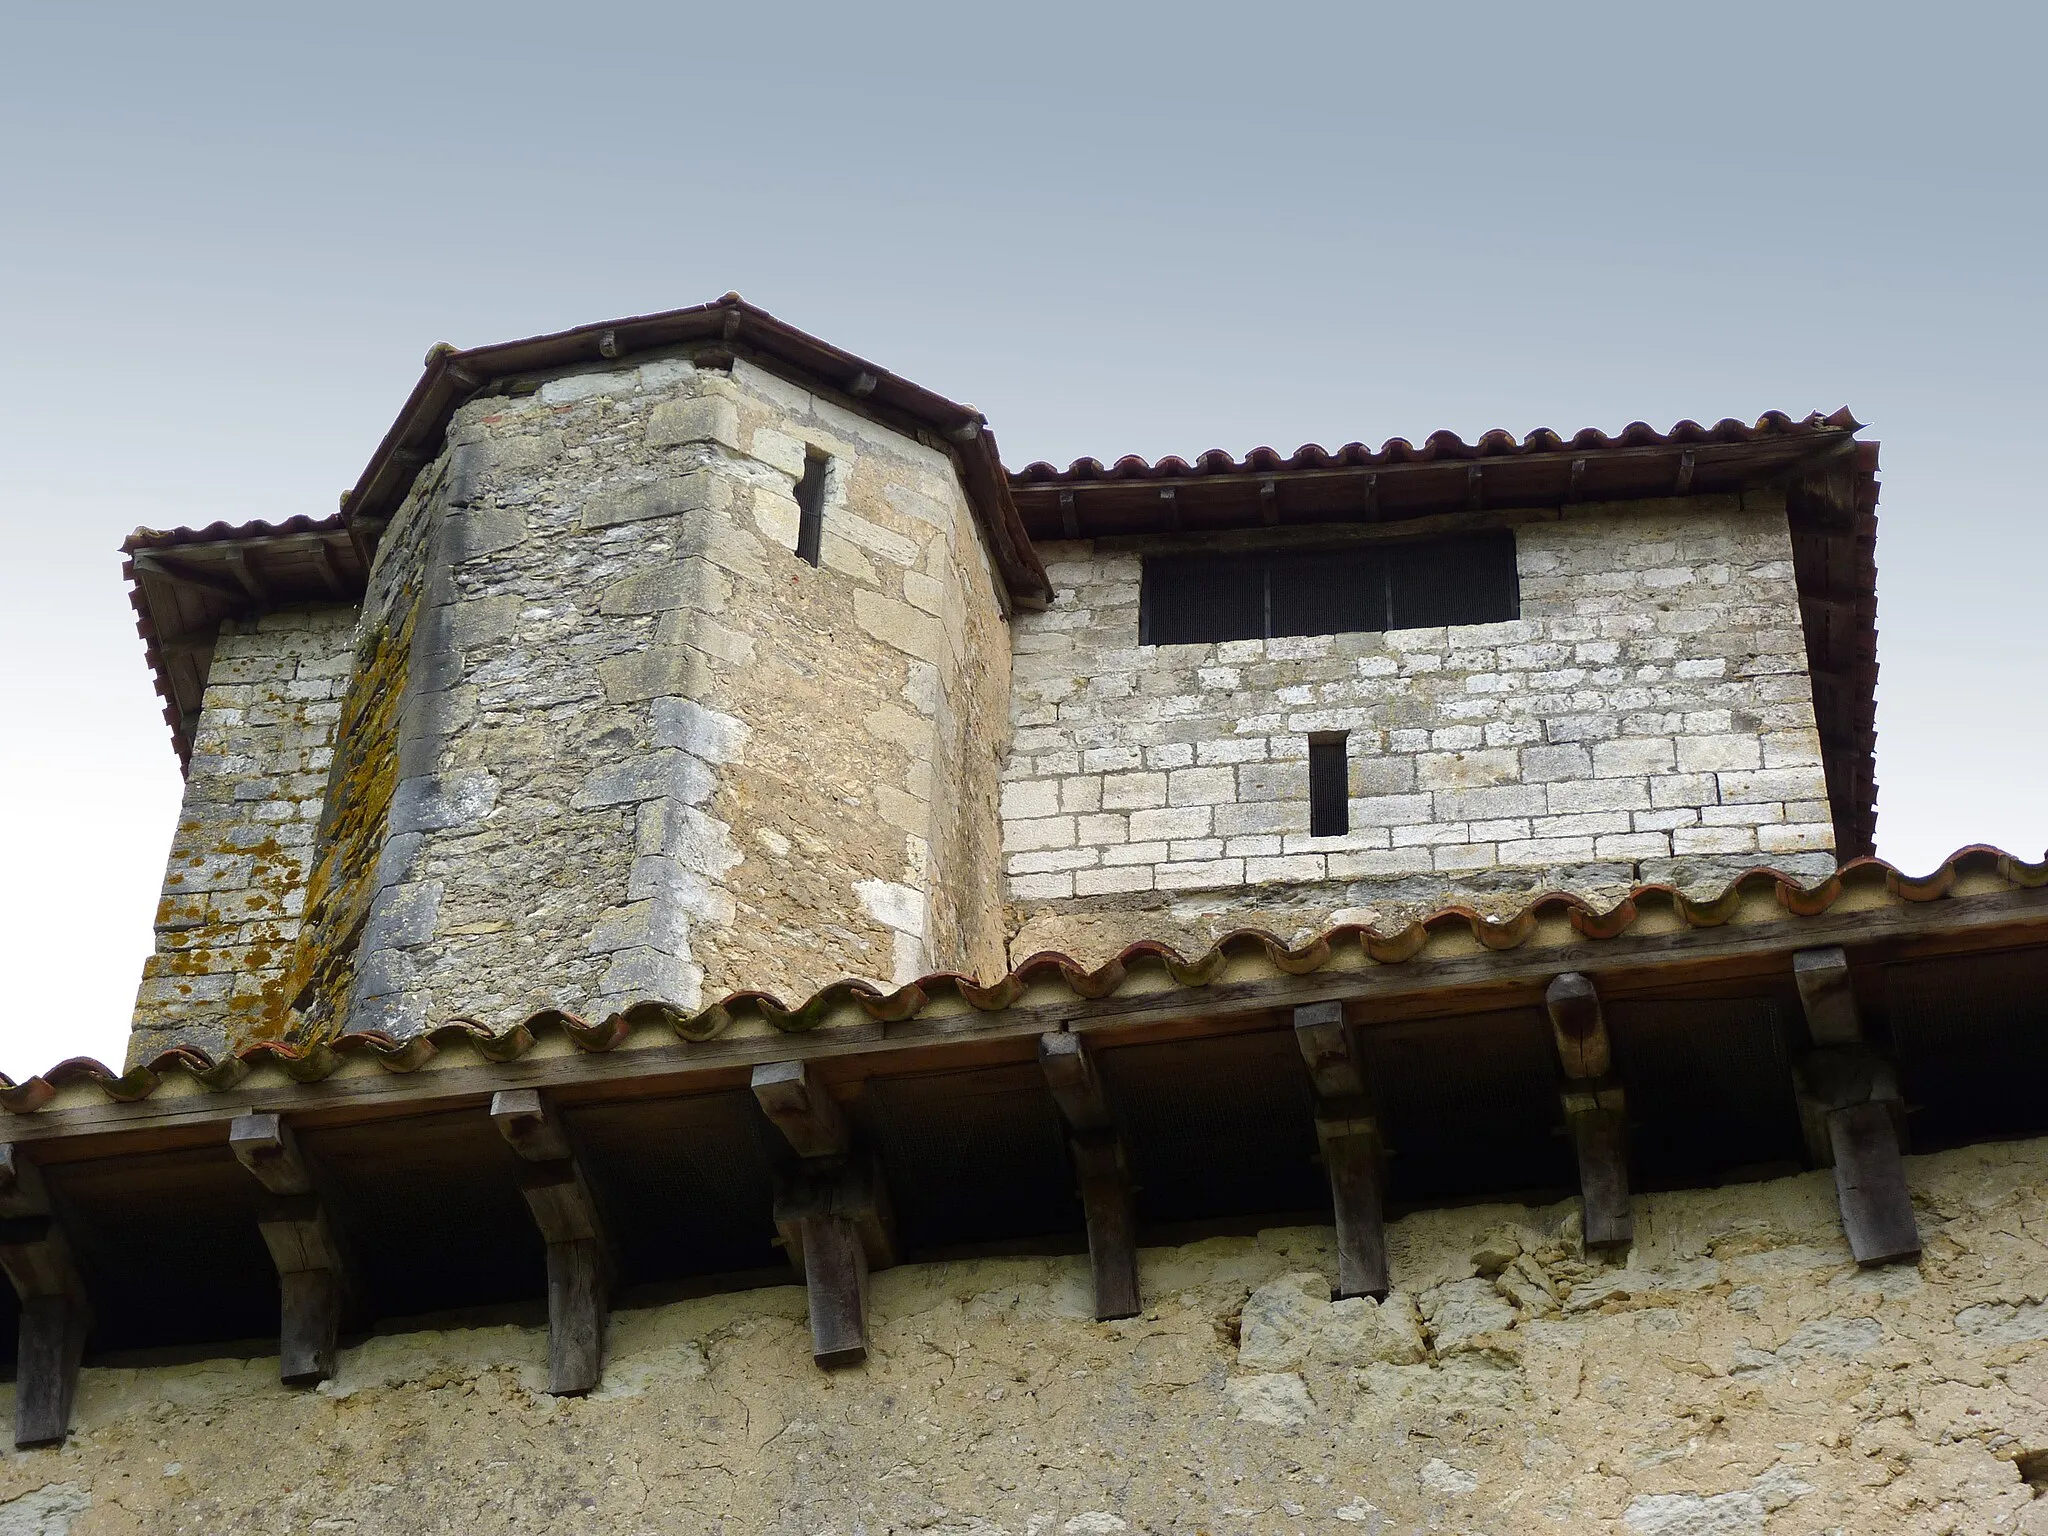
810	507
1329	790
1261	594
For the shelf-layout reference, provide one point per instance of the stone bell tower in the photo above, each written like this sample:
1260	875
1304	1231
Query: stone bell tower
681	667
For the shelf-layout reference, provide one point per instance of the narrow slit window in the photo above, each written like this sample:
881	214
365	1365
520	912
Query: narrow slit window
1329	795
810	507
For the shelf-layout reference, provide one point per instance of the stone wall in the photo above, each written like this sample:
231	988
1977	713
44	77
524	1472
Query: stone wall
235	885
1648	718
647	752
1737	1376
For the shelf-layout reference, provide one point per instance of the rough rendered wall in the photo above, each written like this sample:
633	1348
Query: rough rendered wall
1648	718
645	751
235	886
1737	1377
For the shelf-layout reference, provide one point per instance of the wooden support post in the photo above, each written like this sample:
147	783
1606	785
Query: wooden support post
833	1215
1353	1154
1101	1169
579	1258
312	1274
832	1210
1854	1113
1594	1108
55	1315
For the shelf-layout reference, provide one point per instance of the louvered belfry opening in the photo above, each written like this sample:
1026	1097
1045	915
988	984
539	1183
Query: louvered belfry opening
1255	594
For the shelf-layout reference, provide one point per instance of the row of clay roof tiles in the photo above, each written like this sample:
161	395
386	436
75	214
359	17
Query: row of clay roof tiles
1441	446
1437	447
1449	929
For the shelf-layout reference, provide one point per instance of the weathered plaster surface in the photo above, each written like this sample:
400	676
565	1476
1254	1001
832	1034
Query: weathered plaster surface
235	886
1648	718
1737	1376
647	752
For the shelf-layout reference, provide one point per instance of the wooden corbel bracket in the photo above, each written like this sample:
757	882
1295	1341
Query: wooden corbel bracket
1353	1153
1594	1108
1101	1170
312	1270
1854	1113
580	1264
832	1210
55	1315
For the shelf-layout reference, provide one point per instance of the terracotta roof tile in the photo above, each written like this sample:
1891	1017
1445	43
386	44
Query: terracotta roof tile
1860	883
1440	446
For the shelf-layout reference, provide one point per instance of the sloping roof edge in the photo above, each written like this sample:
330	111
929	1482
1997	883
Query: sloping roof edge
1439	446
453	374
1136	974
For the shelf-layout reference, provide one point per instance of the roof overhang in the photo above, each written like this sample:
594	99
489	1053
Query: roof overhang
725	328
184	582
941	1080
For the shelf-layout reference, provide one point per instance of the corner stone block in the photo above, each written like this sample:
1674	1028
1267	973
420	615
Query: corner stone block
705	733
483	531
402	916
899	625
432	803
707	419
694	583
698	491
480	620
668	775
670	671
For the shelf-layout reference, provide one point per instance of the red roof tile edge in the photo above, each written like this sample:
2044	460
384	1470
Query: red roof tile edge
311	1063
1496	444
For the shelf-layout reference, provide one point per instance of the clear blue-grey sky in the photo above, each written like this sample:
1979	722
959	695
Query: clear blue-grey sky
229	233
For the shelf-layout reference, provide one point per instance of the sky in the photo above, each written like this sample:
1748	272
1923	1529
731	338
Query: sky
228	235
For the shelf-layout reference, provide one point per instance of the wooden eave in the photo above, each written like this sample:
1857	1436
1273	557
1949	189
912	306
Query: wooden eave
1198	1057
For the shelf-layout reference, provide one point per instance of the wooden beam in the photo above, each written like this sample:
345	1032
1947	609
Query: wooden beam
55	1314
330	573
1854	1113
1599	1127
312	1274
1069	1068
1870	1184
1580	1027
580	1267
801	1108
832	1210
833	1214
152	565
1594	1108
1100	1169
1828	996
1353	1154
237	561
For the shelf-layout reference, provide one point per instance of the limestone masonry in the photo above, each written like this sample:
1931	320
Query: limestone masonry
732	964
1647	718
607	736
